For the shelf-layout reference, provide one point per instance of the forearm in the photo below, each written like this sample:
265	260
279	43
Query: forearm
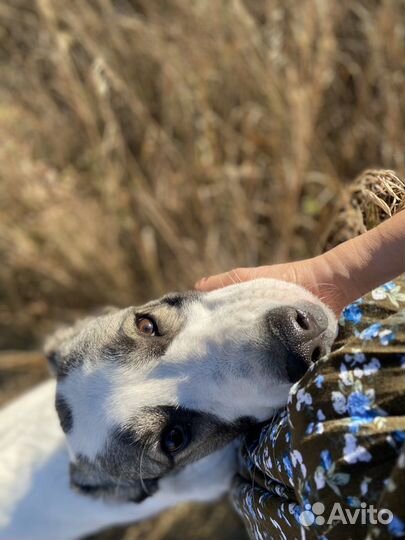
367	261
341	275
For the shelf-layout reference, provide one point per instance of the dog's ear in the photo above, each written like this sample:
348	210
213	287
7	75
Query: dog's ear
56	347
56	344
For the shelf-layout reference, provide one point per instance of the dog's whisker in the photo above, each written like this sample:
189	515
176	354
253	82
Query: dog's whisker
117	485
143	485
237	276
230	274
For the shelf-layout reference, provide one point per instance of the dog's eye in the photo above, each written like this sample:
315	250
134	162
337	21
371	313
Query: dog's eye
147	326
174	439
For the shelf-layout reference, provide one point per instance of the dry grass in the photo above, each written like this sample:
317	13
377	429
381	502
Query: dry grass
146	143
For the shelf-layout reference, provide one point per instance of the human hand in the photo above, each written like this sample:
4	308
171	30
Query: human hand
314	274
339	276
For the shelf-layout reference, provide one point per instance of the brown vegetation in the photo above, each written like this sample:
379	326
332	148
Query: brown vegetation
146	143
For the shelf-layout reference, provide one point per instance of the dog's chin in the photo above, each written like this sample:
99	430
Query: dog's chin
117	493
86	483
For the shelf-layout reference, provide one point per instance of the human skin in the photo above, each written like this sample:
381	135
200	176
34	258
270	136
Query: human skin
340	275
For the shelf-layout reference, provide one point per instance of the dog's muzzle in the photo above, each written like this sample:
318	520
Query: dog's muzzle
302	333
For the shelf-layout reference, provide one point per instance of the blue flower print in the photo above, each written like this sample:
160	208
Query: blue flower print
303	399
288	466
398	436
380	293
346	375
339	402
387	336
358	403
354	502
297	459
325	474
353	452
326	459
390	291
352	313
310	428
320	415
357	358
364	486
319	380
372	367
370	332
396	527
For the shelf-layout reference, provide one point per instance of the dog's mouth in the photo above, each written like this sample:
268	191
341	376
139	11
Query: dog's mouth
297	366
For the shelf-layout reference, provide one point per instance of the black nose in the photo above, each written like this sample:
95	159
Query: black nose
300	332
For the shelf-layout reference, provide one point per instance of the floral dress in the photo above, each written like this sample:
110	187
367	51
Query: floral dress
332	464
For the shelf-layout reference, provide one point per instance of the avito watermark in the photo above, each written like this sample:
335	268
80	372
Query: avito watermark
365	515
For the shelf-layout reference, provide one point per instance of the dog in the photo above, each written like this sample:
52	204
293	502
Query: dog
152	401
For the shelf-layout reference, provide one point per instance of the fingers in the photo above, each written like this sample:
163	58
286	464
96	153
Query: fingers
316	275
286	272
237	275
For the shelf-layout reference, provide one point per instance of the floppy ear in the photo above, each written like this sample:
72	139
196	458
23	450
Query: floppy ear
53	347
56	347
91	482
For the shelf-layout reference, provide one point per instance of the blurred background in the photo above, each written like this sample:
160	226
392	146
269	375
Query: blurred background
146	143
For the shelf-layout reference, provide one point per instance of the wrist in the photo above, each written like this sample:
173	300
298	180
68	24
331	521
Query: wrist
335	286
367	261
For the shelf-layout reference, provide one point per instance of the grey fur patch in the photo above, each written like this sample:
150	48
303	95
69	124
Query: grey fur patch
68	363
64	413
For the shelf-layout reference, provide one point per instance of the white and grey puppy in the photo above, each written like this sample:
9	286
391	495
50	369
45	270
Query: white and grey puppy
150	399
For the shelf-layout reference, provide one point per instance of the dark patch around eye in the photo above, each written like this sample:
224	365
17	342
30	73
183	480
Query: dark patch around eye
64	413
123	348
120	346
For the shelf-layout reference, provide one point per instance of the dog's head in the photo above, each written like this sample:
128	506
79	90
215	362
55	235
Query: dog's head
146	390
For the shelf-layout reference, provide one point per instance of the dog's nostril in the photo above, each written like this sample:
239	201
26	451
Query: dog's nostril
302	320
316	354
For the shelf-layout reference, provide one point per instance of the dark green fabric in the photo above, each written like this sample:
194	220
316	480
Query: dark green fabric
340	439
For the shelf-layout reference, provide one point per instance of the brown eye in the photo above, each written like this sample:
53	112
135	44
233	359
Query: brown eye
147	326
175	439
